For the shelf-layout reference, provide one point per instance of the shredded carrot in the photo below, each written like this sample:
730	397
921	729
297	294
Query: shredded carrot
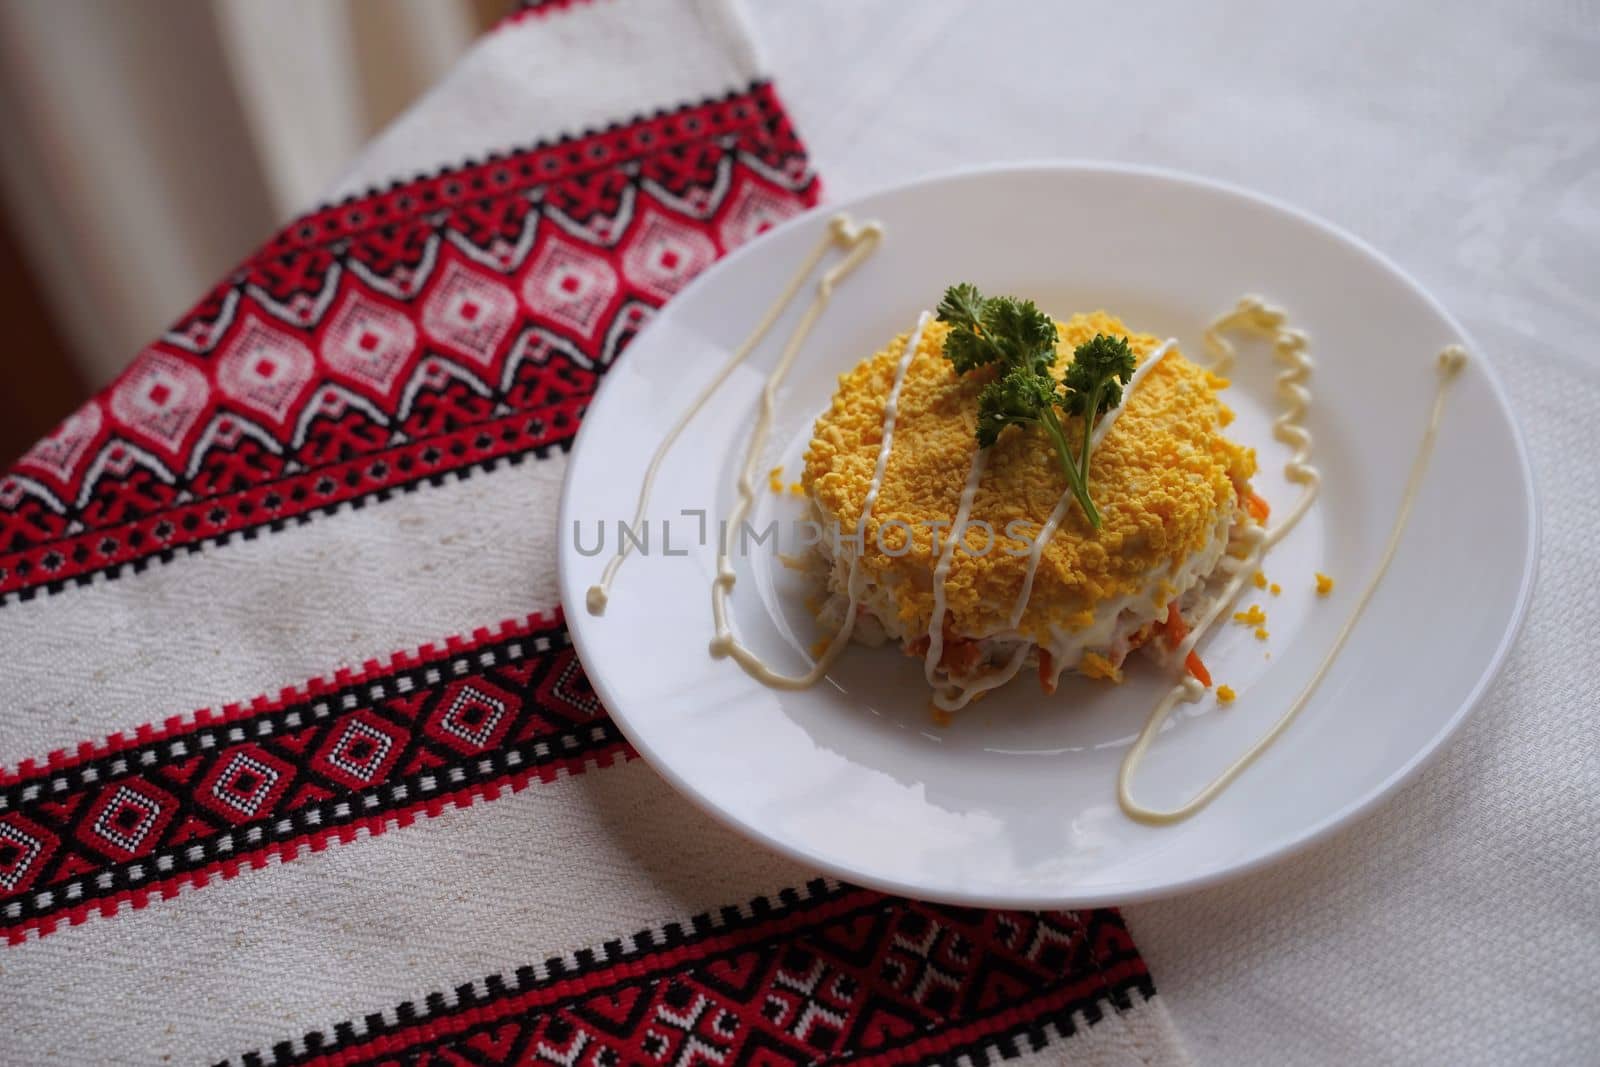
1175	628
960	657
1047	671
1140	637
1258	508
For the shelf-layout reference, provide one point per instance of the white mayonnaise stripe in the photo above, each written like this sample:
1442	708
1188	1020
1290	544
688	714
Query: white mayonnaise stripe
956	697
1059	513
891	412
993	680
941	571
1289	346
841	232
1239	570
1450	362
724	643
1110	418
1252	315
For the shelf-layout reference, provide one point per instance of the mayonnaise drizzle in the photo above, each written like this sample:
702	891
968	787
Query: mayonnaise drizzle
724	643
1109	420
941	572
956	696
1290	346
891	412
1251	315
841	233
1059	513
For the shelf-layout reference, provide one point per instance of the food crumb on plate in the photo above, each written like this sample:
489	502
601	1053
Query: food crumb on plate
1324	584
1259	579
1254	617
1261	633
1275	589
1225	694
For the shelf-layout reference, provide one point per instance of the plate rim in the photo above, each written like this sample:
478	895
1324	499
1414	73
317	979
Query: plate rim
1297	843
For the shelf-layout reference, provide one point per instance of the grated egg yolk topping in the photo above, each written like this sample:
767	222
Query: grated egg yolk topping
1161	478
1253	617
1095	665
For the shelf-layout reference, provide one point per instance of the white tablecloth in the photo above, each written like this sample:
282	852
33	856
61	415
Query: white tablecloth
1458	924
425	842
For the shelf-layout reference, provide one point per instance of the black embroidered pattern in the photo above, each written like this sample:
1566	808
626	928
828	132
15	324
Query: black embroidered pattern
439	325
822	974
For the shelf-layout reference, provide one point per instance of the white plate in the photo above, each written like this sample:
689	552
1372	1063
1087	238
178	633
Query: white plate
1013	805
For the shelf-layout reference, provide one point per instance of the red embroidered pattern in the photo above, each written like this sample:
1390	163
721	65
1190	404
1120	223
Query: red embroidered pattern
402	336
832	974
524	9
452	322
134	817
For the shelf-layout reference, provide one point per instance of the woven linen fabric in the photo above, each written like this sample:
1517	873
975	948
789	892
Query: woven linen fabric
333	482
1457	923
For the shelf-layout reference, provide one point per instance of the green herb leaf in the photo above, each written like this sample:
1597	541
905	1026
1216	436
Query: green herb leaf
968	350
962	306
1100	367
1019	337
1014	399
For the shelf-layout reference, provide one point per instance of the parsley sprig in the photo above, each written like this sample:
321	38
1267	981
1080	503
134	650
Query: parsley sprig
1021	339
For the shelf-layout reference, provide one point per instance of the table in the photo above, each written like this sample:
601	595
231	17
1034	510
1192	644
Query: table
1458	923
